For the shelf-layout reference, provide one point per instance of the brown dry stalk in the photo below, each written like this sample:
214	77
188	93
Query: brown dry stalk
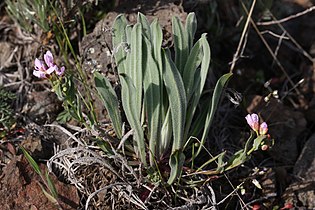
287	18
242	41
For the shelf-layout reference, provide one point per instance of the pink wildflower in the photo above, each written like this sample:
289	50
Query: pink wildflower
263	129
253	121
41	71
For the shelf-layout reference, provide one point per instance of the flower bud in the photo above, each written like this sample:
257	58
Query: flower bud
264	147
263	129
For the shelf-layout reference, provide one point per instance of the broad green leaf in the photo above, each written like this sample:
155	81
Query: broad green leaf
31	161
135	66
213	106
181	44
257	142
110	100
199	80
237	159
51	186
166	133
119	42
191	28
151	85
177	99
240	156
127	61
176	162
177	102
199	118
204	66
130	108
193	62
145	25
156	40
128	37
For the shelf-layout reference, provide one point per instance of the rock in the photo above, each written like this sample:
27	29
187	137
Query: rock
305	165
302	193
285	126
39	142
96	47
42	107
19	188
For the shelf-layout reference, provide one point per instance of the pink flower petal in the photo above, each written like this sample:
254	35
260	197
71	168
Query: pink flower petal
60	71
49	59
39	65
39	74
253	121
52	69
249	120
254	117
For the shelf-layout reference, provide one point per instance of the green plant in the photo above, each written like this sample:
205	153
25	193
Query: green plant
259	139
160	96
40	12
30	12
49	16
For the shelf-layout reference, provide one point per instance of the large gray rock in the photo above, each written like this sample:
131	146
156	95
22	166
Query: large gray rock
305	165
302	192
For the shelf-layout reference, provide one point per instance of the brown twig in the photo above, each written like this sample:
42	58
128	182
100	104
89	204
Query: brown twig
294	41
287	18
242	42
272	53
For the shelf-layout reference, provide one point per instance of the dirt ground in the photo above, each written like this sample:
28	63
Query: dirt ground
275	77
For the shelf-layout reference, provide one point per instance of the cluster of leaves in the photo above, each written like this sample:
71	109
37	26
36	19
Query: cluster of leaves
160	96
42	13
27	13
6	111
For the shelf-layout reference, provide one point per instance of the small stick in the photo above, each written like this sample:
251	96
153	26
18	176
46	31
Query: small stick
287	18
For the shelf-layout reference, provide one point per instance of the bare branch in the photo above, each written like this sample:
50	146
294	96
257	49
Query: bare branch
287	18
